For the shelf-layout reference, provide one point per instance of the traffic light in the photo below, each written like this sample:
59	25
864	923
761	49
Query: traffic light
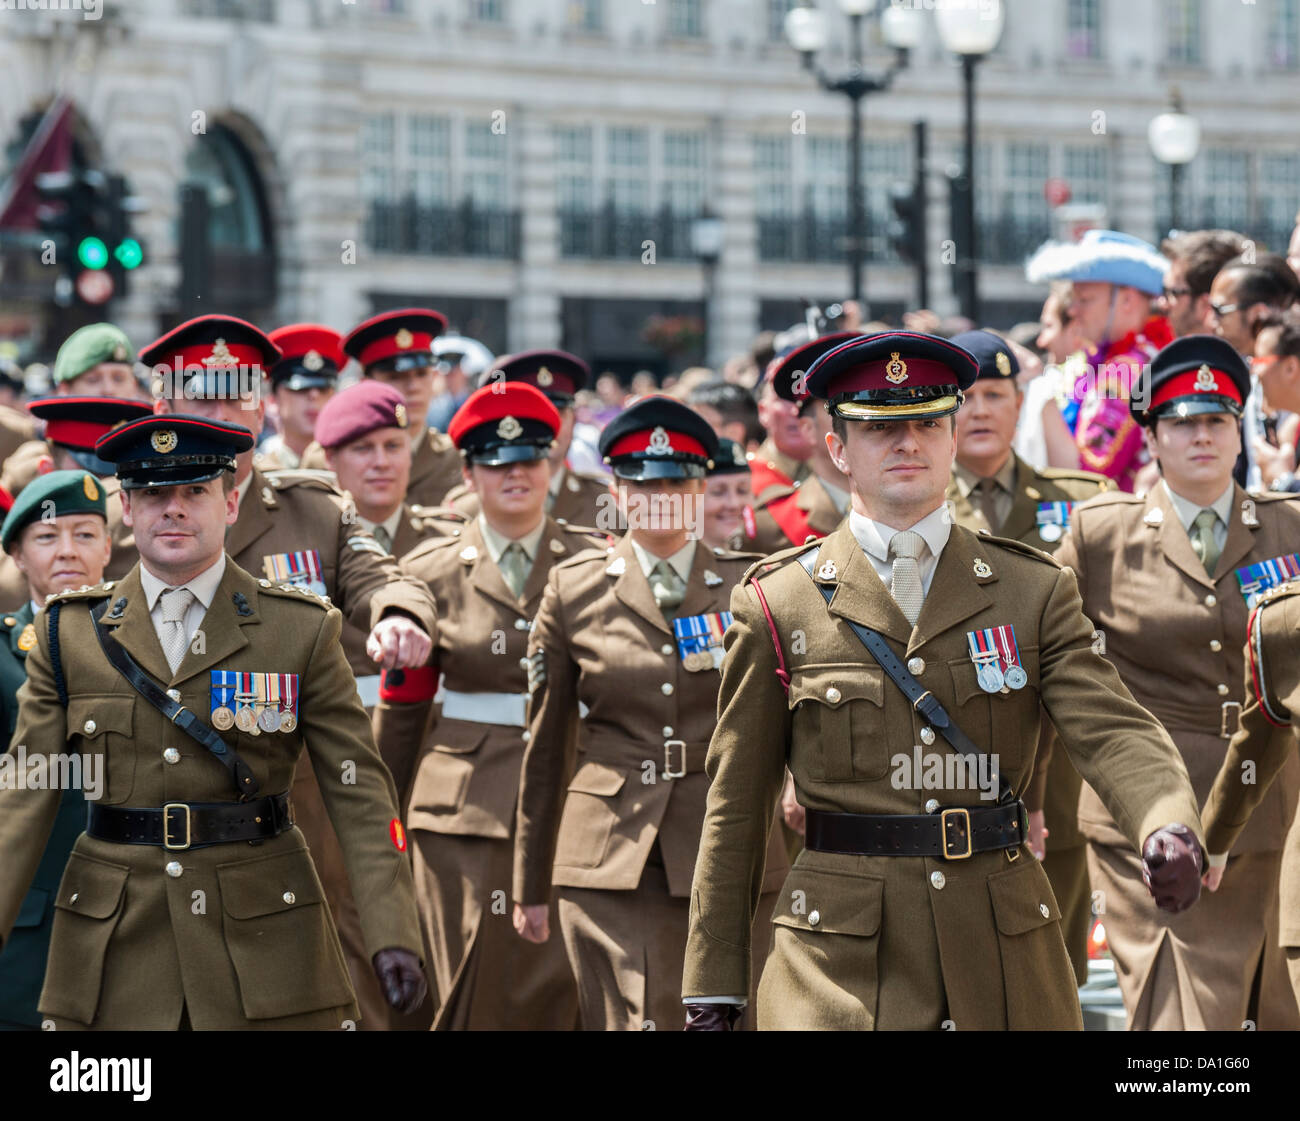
87	215
907	227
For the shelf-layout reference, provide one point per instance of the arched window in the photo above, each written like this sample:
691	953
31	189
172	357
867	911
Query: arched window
237	218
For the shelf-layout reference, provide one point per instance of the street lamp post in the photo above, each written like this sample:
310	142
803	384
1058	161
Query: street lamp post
707	233
971	32
806	30
1174	137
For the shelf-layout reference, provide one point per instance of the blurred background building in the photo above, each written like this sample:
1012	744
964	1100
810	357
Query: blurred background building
536	168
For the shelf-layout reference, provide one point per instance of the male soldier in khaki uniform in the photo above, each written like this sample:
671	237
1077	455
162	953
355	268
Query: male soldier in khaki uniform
395	348
167	916
302	381
916	901
1164	578
488	580
1263	746
782	458
631	634
295	527
993	490
574	497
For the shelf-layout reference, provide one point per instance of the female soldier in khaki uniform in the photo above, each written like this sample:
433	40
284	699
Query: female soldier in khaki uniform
633	635
488	580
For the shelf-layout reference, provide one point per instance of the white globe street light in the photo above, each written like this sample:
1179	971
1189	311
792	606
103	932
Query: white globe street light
970	29
805	28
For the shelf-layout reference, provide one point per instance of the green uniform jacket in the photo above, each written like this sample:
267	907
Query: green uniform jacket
238	933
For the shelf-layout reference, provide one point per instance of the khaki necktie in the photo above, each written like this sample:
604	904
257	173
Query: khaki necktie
986	497
1203	539
669	588
385	539
175	602
905	582
514	567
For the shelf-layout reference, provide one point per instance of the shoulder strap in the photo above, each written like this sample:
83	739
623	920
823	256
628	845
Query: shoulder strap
920	698
246	785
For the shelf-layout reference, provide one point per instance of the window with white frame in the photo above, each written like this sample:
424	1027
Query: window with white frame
379	157
437	160
1083	28
486	178
586	15
627	161
686	19
777	10
1183	31
682	172
487	11
428	167
773	176
574	168
1283	45
1086	169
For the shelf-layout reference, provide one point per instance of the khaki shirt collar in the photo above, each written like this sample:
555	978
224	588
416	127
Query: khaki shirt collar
680	561
497	543
967	480
874	537
1187	511
389	524
204	585
838	495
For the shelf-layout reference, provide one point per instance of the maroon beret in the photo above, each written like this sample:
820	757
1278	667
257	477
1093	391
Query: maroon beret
358	411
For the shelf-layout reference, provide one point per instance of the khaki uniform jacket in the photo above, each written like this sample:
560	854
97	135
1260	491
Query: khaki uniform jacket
813	508
600	638
242	936
1056	787
435	467
1176	634
980	936
583	500
1261	750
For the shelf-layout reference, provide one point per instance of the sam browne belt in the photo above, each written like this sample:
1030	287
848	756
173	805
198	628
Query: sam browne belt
178	826
953	833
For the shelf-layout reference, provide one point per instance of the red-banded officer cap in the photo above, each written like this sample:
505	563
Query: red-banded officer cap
505	422
786	371
658	437
1193	374
209	352
399	340
311	356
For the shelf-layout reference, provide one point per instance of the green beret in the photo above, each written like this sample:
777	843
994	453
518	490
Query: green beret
87	347
67	492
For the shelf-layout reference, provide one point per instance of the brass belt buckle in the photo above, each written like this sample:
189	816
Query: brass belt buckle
916	704
668	766
167	832
1226	732
943	832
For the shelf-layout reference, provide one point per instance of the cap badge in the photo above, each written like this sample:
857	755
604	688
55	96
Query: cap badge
660	444
981	568
896	371
164	441
509	428
220	356
399	414
1003	363
404	338
828	571
312	360
545	377
1205	382
88	485
119	353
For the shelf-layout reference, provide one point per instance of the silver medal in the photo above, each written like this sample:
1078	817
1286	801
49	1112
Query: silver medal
1050	531
1016	677
989	677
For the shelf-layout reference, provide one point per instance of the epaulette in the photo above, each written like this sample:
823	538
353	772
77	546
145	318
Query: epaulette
300	592
735	554
586	556
775	493
775	560
1272	495
1281	591
86	591
1021	547
601	539
1114	498
444	513
1075	475
284	478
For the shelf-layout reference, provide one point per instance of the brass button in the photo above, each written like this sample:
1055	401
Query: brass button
175	695
1044	910
667	688
668	732
265	583
89	727
521	624
74	897
937	878
931	805
288	897
527	735
915	665
171	755
833	695
173	869
1223	690
927	736
1211	600
523	663
666	649
1216	645
814	917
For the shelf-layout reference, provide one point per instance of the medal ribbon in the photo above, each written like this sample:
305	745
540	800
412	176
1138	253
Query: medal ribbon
221	684
1255	579
289	693
1004	638
1054	513
982	648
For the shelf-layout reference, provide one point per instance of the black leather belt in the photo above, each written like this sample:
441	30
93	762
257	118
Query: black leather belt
953	833
178	826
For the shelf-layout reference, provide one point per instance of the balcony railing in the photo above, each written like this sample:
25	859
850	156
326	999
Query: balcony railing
814	238
1007	239
608	233
409	226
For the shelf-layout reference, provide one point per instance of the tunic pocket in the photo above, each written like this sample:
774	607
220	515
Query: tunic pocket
442	775
280	937
99	728
838	722
1006	723
87	909
590	812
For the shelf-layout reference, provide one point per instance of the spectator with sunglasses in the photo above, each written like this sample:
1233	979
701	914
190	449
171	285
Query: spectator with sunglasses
1195	258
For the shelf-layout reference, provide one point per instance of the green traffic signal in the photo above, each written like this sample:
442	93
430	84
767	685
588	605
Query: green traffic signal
129	254
92	253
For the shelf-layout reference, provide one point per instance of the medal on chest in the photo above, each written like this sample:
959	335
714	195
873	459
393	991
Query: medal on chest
1053	520
303	567
699	640
996	655
1256	579
253	702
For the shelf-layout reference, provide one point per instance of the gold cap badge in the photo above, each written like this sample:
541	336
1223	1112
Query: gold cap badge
1205	381
1003	363
404	338
164	440
545	377
312	360
119	353
896	371
509	428
88	485
399	414
220	358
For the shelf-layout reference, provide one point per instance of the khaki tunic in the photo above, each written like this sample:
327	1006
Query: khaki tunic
619	838
1055	789
813	508
242	938
907	942
1175	634
435	467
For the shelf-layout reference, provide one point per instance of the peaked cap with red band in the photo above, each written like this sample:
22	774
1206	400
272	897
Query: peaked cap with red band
505	422
311	356
1193	374
77	423
557	373
785	371
209	351
359	410
172	448
894	375
658	438
401	340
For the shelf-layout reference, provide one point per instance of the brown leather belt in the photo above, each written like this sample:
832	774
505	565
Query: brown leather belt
178	826
676	758
953	833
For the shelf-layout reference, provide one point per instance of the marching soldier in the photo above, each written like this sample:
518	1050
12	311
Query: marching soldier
1166	580
58	536
993	490
190	687
488	580
633	634
574	497
72	425
915	901
302	381
295	527
395	348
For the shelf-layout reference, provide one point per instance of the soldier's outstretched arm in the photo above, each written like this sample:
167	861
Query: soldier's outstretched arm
370	584
746	768
27	815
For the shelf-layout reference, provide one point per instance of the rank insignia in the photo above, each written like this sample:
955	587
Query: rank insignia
365	544
163	440
827	571
711	578
981	568
699	640
1053	519
302	568
27	639
1257	580
536	666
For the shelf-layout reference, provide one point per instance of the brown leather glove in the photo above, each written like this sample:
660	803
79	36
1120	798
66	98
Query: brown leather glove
401	979
712	1017
1172	861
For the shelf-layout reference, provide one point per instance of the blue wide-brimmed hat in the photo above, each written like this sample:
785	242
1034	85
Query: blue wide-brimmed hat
1104	257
